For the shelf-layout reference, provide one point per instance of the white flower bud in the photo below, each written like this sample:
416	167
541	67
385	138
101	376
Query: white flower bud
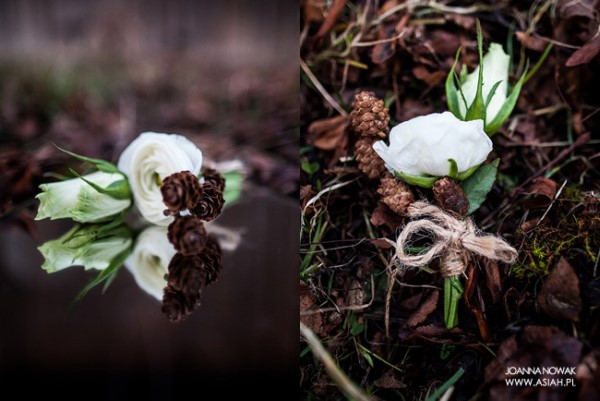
77	199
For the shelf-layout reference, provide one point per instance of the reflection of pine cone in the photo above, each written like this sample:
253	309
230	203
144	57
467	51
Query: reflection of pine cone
180	191
212	176
186	274
187	234
210	204
370	118
395	194
212	261
368	160
176	306
450	196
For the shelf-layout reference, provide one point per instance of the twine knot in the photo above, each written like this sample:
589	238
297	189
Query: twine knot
454	241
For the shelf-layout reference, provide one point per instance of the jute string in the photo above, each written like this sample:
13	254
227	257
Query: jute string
454	241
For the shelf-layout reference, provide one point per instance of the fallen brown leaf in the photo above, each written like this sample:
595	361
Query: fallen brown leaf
325	134
543	191
388	380
332	15
384	216
586	53
531	42
559	297
424	309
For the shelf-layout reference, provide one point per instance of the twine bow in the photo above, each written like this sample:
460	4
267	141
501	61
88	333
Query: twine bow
455	241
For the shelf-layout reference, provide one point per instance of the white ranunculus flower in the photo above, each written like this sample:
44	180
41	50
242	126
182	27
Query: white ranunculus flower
78	200
150	260
148	160
92	246
424	145
495	68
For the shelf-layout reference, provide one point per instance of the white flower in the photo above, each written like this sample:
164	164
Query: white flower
495	69
150	260
148	160
91	246
78	200
424	145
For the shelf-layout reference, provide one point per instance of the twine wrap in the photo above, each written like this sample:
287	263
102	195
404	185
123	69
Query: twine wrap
454	241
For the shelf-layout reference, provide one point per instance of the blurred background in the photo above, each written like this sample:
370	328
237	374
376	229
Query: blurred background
90	76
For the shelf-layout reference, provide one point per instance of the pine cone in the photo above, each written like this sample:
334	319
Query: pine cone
212	176
176	306
180	191
370	118
186	274
212	261
187	234
368	160
450	196
210	204
395	194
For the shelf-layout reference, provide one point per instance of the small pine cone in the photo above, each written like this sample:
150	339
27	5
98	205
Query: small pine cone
210	204
395	194
187	234
370	118
450	196
212	176
368	160
186	274
212	261
180	191
176	306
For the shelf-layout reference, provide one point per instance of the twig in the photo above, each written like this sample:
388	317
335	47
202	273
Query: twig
321	89
579	141
343	308
352	390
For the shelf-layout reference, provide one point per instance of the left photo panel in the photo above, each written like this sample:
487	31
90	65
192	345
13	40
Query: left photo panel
149	187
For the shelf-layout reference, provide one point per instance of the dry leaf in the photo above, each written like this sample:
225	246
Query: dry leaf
388	380
424	310
543	191
531	42
586	53
559	297
332	15
384	216
325	134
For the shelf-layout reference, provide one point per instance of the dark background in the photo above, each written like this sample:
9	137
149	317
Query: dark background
90	76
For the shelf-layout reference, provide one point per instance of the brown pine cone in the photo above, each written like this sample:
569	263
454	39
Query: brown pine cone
450	196
186	274
210	204
187	234
212	261
180	191
368	160
212	176
370	118
176	306
395	194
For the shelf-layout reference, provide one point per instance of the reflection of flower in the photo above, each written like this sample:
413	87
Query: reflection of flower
495	69
78	200
150	259
425	146
93	246
151	158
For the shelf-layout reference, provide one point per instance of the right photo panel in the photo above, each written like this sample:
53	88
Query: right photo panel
450	207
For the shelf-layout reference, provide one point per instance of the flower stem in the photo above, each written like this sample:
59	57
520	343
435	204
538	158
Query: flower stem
453	290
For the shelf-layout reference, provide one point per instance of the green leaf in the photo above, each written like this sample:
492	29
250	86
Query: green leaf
104	275
477	109
444	387
233	186
451	90
507	107
478	185
491	94
309	168
453	173
101	165
466	174
116	190
424	182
